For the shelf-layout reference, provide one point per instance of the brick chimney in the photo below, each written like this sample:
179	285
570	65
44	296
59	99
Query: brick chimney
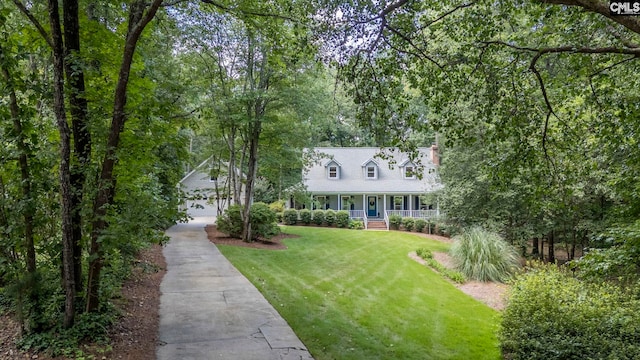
435	156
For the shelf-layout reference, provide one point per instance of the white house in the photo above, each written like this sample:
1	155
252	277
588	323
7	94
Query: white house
373	187
206	190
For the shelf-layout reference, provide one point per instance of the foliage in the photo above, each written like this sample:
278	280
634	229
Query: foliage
395	221
342	219
305	216
279	217
277	206
230	222
484	256
290	217
619	261
420	224
408	223
346	273
552	315
318	216
424	253
89	327
452	275
356	224
263	221
330	217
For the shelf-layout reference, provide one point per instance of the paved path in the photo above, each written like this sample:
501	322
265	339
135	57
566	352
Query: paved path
209	310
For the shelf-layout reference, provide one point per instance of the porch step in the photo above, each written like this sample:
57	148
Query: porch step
376	225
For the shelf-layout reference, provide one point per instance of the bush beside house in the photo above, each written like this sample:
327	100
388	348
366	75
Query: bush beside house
263	221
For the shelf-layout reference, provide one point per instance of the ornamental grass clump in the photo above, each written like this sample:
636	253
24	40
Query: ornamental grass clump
484	256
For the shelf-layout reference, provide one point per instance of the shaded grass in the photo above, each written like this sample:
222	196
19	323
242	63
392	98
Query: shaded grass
356	295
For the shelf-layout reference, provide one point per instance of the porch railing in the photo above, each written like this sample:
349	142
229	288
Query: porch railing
417	214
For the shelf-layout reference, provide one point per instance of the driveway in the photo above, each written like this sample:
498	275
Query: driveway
209	310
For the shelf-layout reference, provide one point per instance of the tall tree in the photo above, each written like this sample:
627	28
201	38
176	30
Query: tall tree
140	14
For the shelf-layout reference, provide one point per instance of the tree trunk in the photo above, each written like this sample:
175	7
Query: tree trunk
534	248
65	155
251	177
552	255
81	135
106	183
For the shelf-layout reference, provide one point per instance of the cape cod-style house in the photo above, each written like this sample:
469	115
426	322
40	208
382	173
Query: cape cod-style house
373	187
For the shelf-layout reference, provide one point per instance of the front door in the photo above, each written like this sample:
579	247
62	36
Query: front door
372	207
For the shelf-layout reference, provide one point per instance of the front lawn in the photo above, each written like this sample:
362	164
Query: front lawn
356	295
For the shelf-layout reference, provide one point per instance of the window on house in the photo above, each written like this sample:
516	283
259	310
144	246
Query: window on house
409	172
371	172
398	203
333	172
346	203
320	202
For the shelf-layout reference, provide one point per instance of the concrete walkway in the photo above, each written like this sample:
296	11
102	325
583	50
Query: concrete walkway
209	310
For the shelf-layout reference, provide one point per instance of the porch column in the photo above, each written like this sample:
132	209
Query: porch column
384	202
364	203
311	206
339	202
410	205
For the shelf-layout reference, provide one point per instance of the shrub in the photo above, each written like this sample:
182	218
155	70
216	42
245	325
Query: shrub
263	221
305	216
318	217
407	223
330	217
230	222
424	253
552	315
356	224
419	224
279	217
484	256
395	221
342	219
277	206
290	217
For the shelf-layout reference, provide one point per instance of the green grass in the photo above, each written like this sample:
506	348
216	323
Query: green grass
356	295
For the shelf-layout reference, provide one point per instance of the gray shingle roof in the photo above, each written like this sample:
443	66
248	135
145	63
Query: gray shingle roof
352	173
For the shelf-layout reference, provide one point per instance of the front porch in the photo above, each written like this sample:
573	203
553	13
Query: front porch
373	209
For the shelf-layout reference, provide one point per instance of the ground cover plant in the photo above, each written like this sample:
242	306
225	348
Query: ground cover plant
356	295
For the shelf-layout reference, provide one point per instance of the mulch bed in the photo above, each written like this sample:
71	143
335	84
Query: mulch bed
219	238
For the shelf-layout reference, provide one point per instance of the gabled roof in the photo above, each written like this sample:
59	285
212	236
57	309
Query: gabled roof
332	161
390	179
405	162
371	160
196	169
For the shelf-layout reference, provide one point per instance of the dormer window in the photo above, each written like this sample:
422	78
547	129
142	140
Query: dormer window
370	169
409	172
408	169
371	172
333	170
